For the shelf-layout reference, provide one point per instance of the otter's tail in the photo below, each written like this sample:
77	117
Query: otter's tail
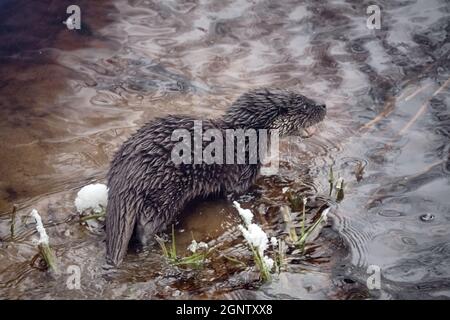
120	221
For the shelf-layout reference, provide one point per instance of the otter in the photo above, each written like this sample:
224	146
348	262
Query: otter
147	189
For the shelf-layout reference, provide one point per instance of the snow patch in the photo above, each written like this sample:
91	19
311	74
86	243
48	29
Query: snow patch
92	196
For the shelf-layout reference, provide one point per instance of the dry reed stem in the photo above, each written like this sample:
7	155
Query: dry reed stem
417	91
422	109
389	106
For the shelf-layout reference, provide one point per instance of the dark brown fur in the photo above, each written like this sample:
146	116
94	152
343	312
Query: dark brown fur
147	189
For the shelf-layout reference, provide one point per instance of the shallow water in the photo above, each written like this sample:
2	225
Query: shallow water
70	98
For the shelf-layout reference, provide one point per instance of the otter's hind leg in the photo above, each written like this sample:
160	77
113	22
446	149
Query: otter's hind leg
145	231
152	221
160	208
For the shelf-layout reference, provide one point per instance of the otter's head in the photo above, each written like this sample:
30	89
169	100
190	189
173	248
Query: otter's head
290	112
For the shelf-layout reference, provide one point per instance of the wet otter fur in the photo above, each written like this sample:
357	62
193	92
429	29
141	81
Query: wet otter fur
147	190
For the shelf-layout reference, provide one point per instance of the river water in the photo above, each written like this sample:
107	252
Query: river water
70	98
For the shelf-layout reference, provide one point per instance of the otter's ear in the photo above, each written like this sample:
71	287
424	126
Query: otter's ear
283	109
